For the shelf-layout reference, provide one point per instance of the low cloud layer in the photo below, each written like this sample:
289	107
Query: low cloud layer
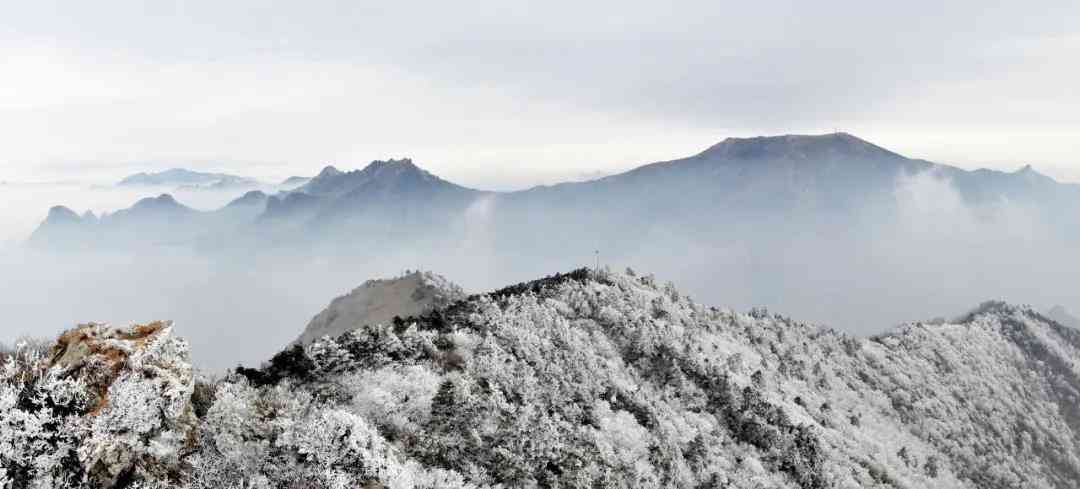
935	256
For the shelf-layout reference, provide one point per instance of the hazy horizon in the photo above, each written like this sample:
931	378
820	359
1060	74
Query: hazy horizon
497	178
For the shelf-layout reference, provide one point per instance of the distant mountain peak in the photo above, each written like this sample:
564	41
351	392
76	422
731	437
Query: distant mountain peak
59	228
249	198
401	174
61	214
797	147
1030	171
163	199
163	202
182	177
329	171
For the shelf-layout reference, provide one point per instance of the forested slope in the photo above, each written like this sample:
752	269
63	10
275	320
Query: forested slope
599	380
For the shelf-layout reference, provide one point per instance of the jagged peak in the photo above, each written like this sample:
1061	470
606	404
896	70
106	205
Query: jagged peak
392	173
403	162
392	167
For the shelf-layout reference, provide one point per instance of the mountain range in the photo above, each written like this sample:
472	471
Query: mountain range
832	227
152	221
733	181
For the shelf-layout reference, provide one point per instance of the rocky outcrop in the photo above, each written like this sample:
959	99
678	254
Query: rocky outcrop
1061	315
142	378
379	301
104	406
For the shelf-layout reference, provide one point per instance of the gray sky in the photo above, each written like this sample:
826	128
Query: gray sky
506	94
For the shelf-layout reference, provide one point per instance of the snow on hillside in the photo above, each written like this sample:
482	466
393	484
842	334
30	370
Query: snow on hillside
611	380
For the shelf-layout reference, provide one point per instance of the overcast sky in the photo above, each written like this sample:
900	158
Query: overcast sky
504	94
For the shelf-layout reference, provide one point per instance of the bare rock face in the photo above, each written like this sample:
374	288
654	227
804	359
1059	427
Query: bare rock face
139	383
378	301
1059	314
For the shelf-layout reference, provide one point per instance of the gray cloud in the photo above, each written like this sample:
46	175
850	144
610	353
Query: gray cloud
474	85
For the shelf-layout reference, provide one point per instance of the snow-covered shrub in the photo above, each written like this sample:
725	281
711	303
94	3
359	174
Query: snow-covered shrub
104	406
584	379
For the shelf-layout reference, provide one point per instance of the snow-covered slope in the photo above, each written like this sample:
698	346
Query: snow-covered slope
600	379
379	301
611	380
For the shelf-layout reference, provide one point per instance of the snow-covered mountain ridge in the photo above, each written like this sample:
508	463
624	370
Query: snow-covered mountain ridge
600	379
